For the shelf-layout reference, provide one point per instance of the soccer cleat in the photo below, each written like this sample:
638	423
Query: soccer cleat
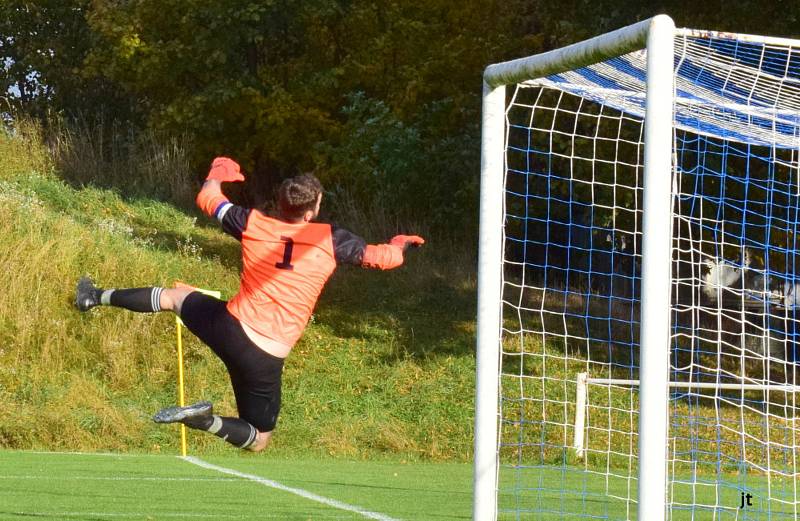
87	295
181	414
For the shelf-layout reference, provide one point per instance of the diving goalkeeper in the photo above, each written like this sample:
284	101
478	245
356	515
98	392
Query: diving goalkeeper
285	264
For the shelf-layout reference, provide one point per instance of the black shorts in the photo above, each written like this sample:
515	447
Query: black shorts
255	374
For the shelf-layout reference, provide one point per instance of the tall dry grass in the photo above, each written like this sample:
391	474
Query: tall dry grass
114	155
22	149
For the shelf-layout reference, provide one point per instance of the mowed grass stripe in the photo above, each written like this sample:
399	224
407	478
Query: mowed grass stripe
61	491
115	478
412	491
53	485
103	515
296	491
98	516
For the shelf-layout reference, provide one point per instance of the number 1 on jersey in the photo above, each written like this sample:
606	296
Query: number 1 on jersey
288	246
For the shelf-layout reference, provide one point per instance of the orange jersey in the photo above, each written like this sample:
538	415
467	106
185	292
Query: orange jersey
286	265
284	268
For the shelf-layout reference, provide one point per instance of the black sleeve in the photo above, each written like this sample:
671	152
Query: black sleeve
233	219
347	246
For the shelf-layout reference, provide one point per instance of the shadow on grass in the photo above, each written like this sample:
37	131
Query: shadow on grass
226	250
414	311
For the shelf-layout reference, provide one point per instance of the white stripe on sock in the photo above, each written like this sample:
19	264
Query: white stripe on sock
105	297
216	425
251	438
155	299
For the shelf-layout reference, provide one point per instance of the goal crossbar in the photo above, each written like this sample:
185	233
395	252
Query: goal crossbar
587	52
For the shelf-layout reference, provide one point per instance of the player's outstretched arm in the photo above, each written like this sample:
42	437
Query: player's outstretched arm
211	199
213	202
389	256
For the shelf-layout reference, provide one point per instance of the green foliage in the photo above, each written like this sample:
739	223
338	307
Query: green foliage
384	162
380	162
266	81
43	45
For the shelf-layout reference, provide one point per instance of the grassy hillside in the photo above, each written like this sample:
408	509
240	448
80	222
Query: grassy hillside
386	365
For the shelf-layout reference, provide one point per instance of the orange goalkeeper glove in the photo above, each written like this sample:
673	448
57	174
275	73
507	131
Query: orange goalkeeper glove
225	169
389	256
404	241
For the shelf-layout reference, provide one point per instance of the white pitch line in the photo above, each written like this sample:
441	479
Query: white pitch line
297	491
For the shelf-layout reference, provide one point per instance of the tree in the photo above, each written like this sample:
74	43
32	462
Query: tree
43	45
391	88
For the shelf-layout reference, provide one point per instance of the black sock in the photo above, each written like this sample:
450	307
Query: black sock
143	300
235	431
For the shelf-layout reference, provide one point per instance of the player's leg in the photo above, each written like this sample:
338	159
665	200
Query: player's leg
142	300
256	380
258	403
262	441
209	320
200	416
258	398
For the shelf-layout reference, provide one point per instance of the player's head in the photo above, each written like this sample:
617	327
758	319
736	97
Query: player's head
299	198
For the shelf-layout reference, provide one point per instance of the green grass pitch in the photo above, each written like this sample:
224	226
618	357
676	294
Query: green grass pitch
107	487
96	487
545	493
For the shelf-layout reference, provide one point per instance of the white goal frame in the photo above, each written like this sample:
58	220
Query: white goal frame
583	381
656	35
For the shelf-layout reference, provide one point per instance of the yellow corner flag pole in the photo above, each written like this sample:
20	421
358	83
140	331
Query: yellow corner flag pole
181	396
179	335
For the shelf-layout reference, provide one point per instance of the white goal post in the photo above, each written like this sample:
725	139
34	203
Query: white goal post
638	327
656	34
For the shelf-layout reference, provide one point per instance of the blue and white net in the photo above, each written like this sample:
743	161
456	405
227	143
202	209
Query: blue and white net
571	288
730	89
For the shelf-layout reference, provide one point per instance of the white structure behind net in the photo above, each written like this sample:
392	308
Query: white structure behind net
571	288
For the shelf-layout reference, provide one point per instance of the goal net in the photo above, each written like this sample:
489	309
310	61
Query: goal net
579	284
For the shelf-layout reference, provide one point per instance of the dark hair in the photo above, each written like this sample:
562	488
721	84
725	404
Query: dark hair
297	195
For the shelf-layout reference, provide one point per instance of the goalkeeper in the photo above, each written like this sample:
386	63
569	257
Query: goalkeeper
285	264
